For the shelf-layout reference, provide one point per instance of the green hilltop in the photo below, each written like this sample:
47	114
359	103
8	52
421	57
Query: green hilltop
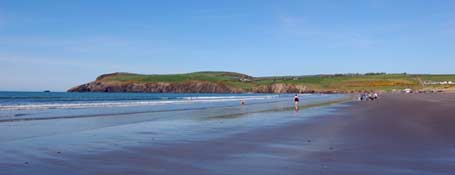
318	83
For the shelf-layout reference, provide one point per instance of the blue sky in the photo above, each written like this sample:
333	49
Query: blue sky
58	44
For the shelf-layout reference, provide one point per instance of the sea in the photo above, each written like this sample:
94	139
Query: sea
21	106
35	125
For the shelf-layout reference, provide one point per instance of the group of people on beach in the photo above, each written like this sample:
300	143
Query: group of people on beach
369	96
366	96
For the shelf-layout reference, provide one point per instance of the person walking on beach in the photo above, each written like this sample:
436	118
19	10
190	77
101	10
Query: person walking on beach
364	97
375	96
296	102
370	96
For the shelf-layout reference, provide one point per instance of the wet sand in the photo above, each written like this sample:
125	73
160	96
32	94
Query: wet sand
398	134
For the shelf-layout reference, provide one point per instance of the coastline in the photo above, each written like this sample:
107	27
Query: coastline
231	82
398	134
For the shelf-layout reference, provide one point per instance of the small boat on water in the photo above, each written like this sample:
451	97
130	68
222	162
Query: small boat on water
47	91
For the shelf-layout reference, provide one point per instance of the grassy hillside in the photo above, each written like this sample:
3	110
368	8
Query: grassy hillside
351	82
338	82
202	76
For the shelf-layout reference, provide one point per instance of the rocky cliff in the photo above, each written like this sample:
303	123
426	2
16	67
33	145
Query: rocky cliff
231	82
187	87
109	83
157	87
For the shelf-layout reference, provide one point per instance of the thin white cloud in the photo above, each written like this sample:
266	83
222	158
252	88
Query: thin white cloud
2	21
450	28
298	26
46	61
305	29
220	13
68	43
89	45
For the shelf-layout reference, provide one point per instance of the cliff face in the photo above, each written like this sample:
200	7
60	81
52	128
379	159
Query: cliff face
184	87
232	82
199	82
157	87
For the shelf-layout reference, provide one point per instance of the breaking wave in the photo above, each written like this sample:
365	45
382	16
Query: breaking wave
128	102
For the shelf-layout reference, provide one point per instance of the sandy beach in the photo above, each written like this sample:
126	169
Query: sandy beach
398	134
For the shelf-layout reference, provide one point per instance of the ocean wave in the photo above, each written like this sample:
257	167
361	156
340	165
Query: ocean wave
230	97
163	101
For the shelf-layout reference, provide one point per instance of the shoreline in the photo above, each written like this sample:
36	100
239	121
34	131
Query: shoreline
398	134
302	106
